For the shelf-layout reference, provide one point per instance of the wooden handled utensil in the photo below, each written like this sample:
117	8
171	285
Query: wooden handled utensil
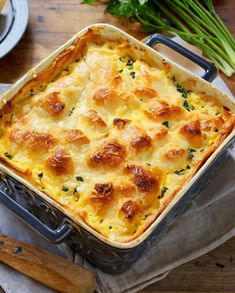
49	269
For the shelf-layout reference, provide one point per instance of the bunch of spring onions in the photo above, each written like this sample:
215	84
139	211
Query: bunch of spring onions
195	21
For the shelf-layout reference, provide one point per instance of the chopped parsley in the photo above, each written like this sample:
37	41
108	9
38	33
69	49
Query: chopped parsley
122	59
71	111
8	155
201	150
181	171
163	191
80	178
148	164
187	106
132	74
181	90
129	64
120	71
166	123
190	153
40	175
65	189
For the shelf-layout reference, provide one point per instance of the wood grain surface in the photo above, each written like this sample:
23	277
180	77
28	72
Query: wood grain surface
51	23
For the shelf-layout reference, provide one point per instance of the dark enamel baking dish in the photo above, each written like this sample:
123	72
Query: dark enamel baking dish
48	218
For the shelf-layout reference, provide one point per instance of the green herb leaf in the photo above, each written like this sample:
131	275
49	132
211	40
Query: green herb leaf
166	123
71	111
65	189
80	178
181	90
120	71
40	175
187	106
163	191
181	171
190	153
132	74
8	155
89	1
129	64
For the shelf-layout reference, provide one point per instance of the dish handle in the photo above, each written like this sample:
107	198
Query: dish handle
210	70
57	235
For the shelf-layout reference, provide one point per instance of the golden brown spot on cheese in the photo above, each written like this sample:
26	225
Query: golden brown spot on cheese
76	136
103	190
160	111
93	117
104	94
101	197
146	92
159	134
53	104
175	154
192	131
143	179
60	163
40	141
137	137
206	124
130	208
120	123
141	142
111	153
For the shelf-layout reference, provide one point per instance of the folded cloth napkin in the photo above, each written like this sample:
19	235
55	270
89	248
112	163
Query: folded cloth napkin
208	222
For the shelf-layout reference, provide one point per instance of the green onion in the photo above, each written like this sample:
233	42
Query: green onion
8	155
80	178
195	21
166	123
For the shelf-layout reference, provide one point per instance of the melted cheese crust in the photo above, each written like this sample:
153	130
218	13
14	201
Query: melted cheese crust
111	138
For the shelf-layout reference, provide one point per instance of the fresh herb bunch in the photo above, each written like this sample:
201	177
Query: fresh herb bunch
195	21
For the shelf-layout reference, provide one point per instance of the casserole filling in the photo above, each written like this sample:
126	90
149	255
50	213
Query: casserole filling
111	137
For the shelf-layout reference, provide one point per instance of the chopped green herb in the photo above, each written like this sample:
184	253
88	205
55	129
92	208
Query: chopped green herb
163	191
71	111
110	227
181	90
132	74
79	178
65	189
120	71
166	123
148	164
8	155
187	106
129	64
190	153
201	150
40	175
181	171
145	217
122	59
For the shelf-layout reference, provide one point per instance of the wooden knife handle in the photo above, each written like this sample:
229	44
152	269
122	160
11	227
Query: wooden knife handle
49	269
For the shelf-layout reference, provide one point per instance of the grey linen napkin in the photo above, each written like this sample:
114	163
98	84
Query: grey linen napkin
208	222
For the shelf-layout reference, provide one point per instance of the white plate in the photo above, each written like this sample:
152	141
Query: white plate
13	22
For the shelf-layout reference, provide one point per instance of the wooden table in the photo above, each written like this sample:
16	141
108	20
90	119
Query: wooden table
51	23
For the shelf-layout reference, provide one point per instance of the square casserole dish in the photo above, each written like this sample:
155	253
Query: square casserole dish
56	223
